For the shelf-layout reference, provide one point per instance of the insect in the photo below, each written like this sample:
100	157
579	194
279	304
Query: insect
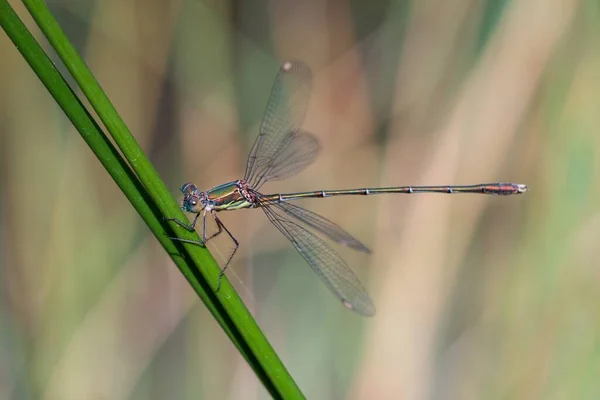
281	150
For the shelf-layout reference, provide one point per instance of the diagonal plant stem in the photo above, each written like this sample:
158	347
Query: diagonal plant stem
148	194
102	147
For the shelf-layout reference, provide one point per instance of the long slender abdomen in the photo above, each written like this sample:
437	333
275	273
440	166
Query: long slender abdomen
502	189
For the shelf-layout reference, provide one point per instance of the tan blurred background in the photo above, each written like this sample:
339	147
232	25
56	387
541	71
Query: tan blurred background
478	297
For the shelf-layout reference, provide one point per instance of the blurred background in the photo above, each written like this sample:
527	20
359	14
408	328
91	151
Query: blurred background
478	297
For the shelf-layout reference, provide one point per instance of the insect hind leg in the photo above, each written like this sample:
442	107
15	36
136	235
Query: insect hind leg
235	242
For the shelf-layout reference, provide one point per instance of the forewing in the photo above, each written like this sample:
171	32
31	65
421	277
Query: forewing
326	263
285	112
297	150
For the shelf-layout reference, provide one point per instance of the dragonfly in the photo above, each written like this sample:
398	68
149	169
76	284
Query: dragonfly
281	150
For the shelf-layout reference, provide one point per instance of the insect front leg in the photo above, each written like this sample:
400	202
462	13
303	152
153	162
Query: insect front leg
221	227
191	228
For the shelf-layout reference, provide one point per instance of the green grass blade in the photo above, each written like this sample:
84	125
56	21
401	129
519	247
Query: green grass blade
148	194
102	147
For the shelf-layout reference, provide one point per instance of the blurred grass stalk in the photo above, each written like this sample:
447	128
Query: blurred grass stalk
148	194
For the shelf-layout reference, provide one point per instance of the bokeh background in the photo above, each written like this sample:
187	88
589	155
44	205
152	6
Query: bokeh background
478	297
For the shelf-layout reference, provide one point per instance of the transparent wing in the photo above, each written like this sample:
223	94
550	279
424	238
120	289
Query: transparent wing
296	151
323	225
326	263
285	112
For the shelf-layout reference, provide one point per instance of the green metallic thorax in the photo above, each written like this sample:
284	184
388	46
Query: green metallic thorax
227	197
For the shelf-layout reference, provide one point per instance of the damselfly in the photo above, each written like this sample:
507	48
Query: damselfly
282	150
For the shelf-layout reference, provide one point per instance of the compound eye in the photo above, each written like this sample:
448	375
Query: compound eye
189	188
192	204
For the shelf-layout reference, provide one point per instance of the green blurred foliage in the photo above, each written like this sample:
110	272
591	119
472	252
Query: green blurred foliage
477	296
